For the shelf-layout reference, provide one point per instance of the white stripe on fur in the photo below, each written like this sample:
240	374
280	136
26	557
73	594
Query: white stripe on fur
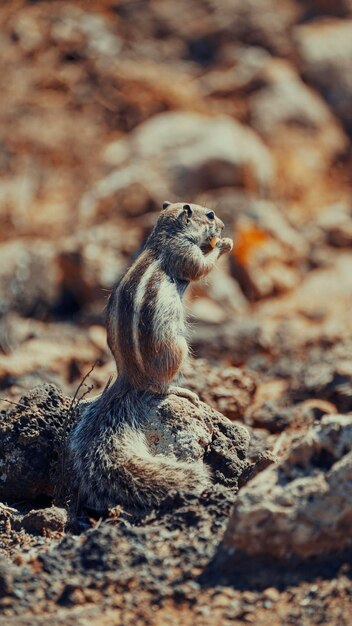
138	299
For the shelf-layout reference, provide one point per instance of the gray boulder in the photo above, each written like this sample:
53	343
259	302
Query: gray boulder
180	154
33	441
284	103
303	506
325	49
31	437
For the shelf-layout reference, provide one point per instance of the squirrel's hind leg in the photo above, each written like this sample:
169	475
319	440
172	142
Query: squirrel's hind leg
181	392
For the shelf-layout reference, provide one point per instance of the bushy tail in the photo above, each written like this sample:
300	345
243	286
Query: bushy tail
111	461
148	479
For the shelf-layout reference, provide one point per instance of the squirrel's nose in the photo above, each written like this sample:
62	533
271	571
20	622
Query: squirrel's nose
221	224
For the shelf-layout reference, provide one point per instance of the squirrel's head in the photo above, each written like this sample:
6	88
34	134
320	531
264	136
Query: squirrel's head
195	222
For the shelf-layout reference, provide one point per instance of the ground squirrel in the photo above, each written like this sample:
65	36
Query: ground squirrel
146	333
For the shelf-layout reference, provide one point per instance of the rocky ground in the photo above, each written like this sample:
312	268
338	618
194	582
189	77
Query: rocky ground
107	109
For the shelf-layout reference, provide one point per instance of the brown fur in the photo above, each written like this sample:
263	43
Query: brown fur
175	247
110	458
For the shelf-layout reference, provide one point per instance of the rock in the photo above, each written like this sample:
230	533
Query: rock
235	20
31	436
51	519
208	32
173	427
227	454
180	429
29	277
236	340
268	251
205	310
6	577
336	224
312	316
177	154
271	594
230	390
269	27
314	409
284	104
271	416
319	8
126	189
199	153
327	379
92	259
27	31
275	417
159	554
240	78
259	455
56	352
304	135
325	50
192	433
303	506
260	463
87	34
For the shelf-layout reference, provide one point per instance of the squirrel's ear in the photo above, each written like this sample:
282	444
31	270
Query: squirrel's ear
186	213
166	204
188	209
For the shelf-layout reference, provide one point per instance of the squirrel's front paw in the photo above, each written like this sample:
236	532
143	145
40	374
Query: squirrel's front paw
225	245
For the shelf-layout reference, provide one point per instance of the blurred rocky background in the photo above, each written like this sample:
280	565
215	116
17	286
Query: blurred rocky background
107	108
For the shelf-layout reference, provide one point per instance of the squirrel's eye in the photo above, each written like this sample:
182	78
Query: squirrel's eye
211	215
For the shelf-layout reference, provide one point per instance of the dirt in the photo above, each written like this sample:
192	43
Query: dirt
108	109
